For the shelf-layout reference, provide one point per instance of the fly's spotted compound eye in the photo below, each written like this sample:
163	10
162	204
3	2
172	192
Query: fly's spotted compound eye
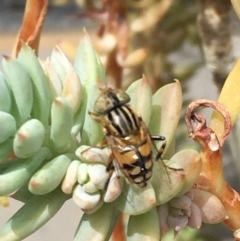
110	99
122	96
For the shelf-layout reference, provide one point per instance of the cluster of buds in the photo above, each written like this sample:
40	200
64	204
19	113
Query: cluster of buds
191	209
88	180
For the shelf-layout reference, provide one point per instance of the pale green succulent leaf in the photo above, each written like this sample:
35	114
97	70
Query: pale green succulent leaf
48	177
20	171
23	194
135	200
86	63
29	138
79	116
61	124
144	227
6	148
99	225
141	98
92	131
8	126
5	95
86	66
5	165
100	70
191	163
60	63
32	216
167	182
166	109
72	89
54	83
90	70
42	99
20	84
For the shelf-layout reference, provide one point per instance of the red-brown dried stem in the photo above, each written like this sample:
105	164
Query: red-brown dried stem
211	178
30	31
118	233
117	25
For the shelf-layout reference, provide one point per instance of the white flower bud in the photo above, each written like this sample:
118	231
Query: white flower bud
85	200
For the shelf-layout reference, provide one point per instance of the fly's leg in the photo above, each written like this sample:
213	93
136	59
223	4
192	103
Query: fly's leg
161	150
102	144
111	167
95	116
163	146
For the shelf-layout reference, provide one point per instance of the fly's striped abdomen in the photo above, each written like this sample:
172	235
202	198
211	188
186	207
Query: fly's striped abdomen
136	162
140	171
123	121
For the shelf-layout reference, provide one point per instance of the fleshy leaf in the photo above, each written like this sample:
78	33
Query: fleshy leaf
88	68
191	162
29	138
48	177
5	95
210	206
41	102
6	149
92	131
141	98
32	216
72	89
167	182
20	83
98	226
8	126
230	97
54	82
86	63
62	121
21	171
144	227
166	109
236	6
135	200
60	63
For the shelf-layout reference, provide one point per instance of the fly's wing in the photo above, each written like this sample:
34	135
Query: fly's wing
124	157
115	146
157	153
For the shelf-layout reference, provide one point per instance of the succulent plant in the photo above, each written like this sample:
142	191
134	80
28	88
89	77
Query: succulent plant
48	152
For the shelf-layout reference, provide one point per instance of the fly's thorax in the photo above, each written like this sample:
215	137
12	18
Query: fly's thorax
109	99
123	122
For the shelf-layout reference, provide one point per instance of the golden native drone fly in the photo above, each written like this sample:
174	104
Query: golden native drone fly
126	135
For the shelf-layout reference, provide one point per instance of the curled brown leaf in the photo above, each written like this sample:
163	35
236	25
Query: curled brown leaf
197	126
